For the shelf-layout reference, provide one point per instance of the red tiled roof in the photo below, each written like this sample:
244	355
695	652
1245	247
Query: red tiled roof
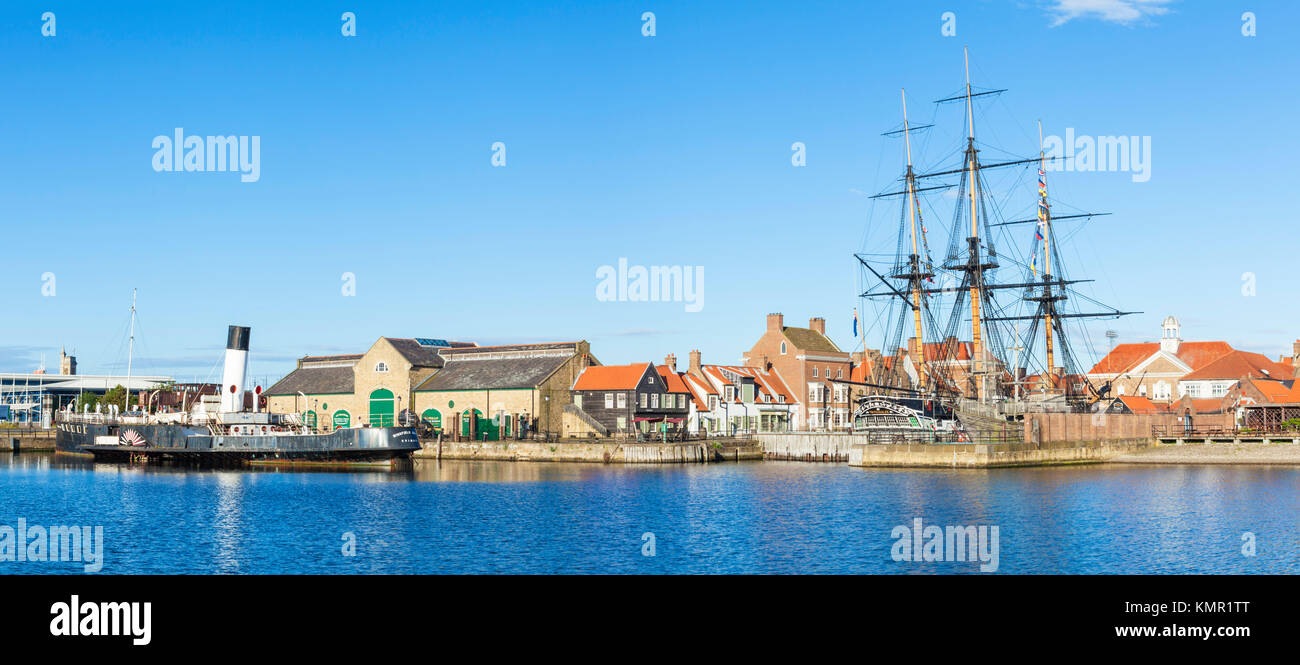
765	382
1033	381
1124	356
700	390
672	379
1207	405
611	377
1277	392
939	350
1237	364
1273	391
1142	405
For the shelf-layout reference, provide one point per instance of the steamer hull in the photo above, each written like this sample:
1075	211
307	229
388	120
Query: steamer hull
111	441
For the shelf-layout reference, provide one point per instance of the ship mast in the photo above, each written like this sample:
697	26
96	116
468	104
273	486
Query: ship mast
975	271
130	353
915	259
1045	222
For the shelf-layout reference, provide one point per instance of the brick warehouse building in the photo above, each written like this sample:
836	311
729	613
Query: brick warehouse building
807	361
526	381
502	391
369	389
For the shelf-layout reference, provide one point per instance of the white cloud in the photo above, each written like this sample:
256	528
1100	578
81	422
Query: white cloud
1115	11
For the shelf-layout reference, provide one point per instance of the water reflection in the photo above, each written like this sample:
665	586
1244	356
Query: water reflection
468	516
462	471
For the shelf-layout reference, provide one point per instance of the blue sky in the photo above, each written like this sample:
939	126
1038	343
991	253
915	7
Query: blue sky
666	150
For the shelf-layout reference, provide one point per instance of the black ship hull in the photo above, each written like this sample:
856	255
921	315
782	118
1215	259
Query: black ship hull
185	443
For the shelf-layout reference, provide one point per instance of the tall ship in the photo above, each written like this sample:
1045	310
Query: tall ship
972	360
231	434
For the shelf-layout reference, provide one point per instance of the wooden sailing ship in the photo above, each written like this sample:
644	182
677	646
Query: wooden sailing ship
996	371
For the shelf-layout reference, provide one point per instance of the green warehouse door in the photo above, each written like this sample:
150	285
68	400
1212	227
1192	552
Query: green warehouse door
381	408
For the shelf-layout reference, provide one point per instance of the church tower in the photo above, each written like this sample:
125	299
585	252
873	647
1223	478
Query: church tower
67	363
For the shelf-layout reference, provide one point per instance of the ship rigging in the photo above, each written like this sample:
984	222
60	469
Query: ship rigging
965	301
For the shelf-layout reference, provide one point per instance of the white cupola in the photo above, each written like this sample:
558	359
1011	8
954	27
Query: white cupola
1170	337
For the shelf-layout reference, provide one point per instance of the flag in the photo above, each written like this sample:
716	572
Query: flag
1042	197
855	321
1041	226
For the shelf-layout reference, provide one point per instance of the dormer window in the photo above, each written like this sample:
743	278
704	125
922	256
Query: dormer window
381	366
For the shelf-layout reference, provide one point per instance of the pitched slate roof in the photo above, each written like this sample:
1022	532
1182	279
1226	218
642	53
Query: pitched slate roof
465	348
420	355
306	360
611	377
464	371
314	381
807	339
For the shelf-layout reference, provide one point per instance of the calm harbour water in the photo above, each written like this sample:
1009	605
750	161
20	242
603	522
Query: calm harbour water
761	517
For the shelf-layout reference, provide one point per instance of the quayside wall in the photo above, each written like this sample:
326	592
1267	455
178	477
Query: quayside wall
591	451
991	455
1110	427
1047	438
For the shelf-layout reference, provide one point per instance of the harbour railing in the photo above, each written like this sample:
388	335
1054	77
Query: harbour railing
1184	432
977	436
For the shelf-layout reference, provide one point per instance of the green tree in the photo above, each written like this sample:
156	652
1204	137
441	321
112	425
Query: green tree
86	399
115	396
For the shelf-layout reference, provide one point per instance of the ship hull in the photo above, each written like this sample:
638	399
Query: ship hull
183	443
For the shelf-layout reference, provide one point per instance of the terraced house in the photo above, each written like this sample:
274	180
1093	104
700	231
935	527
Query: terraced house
808	362
735	399
627	399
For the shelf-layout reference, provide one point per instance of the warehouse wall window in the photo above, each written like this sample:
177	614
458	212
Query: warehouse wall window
381	366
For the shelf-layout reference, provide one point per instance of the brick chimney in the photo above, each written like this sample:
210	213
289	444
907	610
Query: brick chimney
914	347
817	323
671	361
696	368
1295	354
775	321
